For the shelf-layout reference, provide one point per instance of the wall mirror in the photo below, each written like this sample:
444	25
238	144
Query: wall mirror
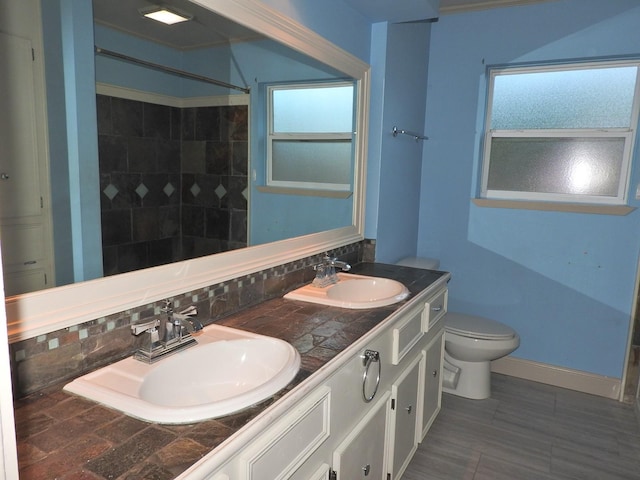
181	123
60	307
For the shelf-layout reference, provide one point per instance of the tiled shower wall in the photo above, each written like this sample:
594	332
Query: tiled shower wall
173	181
65	354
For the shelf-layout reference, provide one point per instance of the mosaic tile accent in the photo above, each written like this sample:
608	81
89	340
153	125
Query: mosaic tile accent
64	354
169	189
142	190
110	191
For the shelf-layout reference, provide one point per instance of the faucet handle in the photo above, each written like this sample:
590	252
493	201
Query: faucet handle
167	306
191	311
139	328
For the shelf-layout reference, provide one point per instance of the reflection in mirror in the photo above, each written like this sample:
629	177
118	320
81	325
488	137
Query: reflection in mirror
292	223
174	148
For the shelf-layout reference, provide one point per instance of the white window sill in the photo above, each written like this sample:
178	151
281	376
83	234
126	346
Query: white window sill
555	206
309	192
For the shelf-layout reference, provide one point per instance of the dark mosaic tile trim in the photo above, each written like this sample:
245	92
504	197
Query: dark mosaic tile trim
65	354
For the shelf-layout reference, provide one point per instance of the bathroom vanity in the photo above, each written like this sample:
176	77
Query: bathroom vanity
360	416
334	421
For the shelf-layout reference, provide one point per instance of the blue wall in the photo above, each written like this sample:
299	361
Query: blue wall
73	139
399	61
564	281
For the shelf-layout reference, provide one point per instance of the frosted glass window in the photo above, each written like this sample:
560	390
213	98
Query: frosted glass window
313	110
561	133
310	135
591	98
578	166
312	162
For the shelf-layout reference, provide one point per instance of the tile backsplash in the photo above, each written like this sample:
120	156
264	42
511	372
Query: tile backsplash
67	353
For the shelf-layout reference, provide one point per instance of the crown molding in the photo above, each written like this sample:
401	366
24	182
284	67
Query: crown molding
471	6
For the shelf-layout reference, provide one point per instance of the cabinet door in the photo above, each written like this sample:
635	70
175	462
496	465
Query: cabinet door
432	391
362	454
291	441
19	174
404	416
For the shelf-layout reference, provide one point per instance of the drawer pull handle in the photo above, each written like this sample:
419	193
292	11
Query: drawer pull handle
366	469
368	358
436	309
409	408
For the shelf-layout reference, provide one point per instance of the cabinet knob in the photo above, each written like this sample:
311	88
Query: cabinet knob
366	469
409	408
4	176
434	373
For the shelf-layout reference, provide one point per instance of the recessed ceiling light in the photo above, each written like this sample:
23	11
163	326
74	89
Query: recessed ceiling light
164	15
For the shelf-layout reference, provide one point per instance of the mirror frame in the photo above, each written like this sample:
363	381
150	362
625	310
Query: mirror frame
49	310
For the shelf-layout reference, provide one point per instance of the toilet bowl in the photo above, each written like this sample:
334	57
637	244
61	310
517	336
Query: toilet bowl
470	344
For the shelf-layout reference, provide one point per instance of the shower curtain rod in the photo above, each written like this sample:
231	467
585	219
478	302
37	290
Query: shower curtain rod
175	71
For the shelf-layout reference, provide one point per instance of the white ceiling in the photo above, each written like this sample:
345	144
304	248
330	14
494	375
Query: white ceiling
206	28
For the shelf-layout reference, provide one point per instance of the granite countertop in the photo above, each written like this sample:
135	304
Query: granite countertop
65	437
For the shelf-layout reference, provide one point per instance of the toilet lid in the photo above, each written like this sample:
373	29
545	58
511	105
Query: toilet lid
477	327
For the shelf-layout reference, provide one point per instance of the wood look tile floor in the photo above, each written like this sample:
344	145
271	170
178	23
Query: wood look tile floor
530	431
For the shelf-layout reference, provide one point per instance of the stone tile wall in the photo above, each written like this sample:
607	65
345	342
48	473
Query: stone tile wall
173	181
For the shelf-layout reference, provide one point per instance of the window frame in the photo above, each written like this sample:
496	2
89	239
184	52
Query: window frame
628	134
272	137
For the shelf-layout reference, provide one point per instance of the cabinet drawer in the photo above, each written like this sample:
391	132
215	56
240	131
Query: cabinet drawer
278	453
22	245
406	334
434	309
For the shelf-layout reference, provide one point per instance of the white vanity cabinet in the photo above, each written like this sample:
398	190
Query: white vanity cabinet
337	428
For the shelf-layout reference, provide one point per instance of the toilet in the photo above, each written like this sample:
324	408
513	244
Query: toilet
470	344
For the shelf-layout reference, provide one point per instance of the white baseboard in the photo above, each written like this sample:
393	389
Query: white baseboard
558	376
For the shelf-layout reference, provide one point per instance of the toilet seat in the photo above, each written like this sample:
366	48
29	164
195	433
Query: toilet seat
477	327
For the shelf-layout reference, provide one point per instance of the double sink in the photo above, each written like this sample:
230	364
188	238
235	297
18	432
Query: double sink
228	370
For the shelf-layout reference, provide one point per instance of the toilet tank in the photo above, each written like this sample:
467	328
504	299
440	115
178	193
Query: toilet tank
420	262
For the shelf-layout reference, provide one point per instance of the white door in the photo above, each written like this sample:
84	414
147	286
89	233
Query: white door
24	218
19	177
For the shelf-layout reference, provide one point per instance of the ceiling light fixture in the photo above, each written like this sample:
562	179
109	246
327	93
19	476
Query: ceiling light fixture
164	15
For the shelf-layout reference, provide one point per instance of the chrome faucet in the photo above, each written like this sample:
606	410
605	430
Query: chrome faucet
326	271
176	323
168	335
184	320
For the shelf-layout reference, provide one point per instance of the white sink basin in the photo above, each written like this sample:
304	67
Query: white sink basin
227	371
353	291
